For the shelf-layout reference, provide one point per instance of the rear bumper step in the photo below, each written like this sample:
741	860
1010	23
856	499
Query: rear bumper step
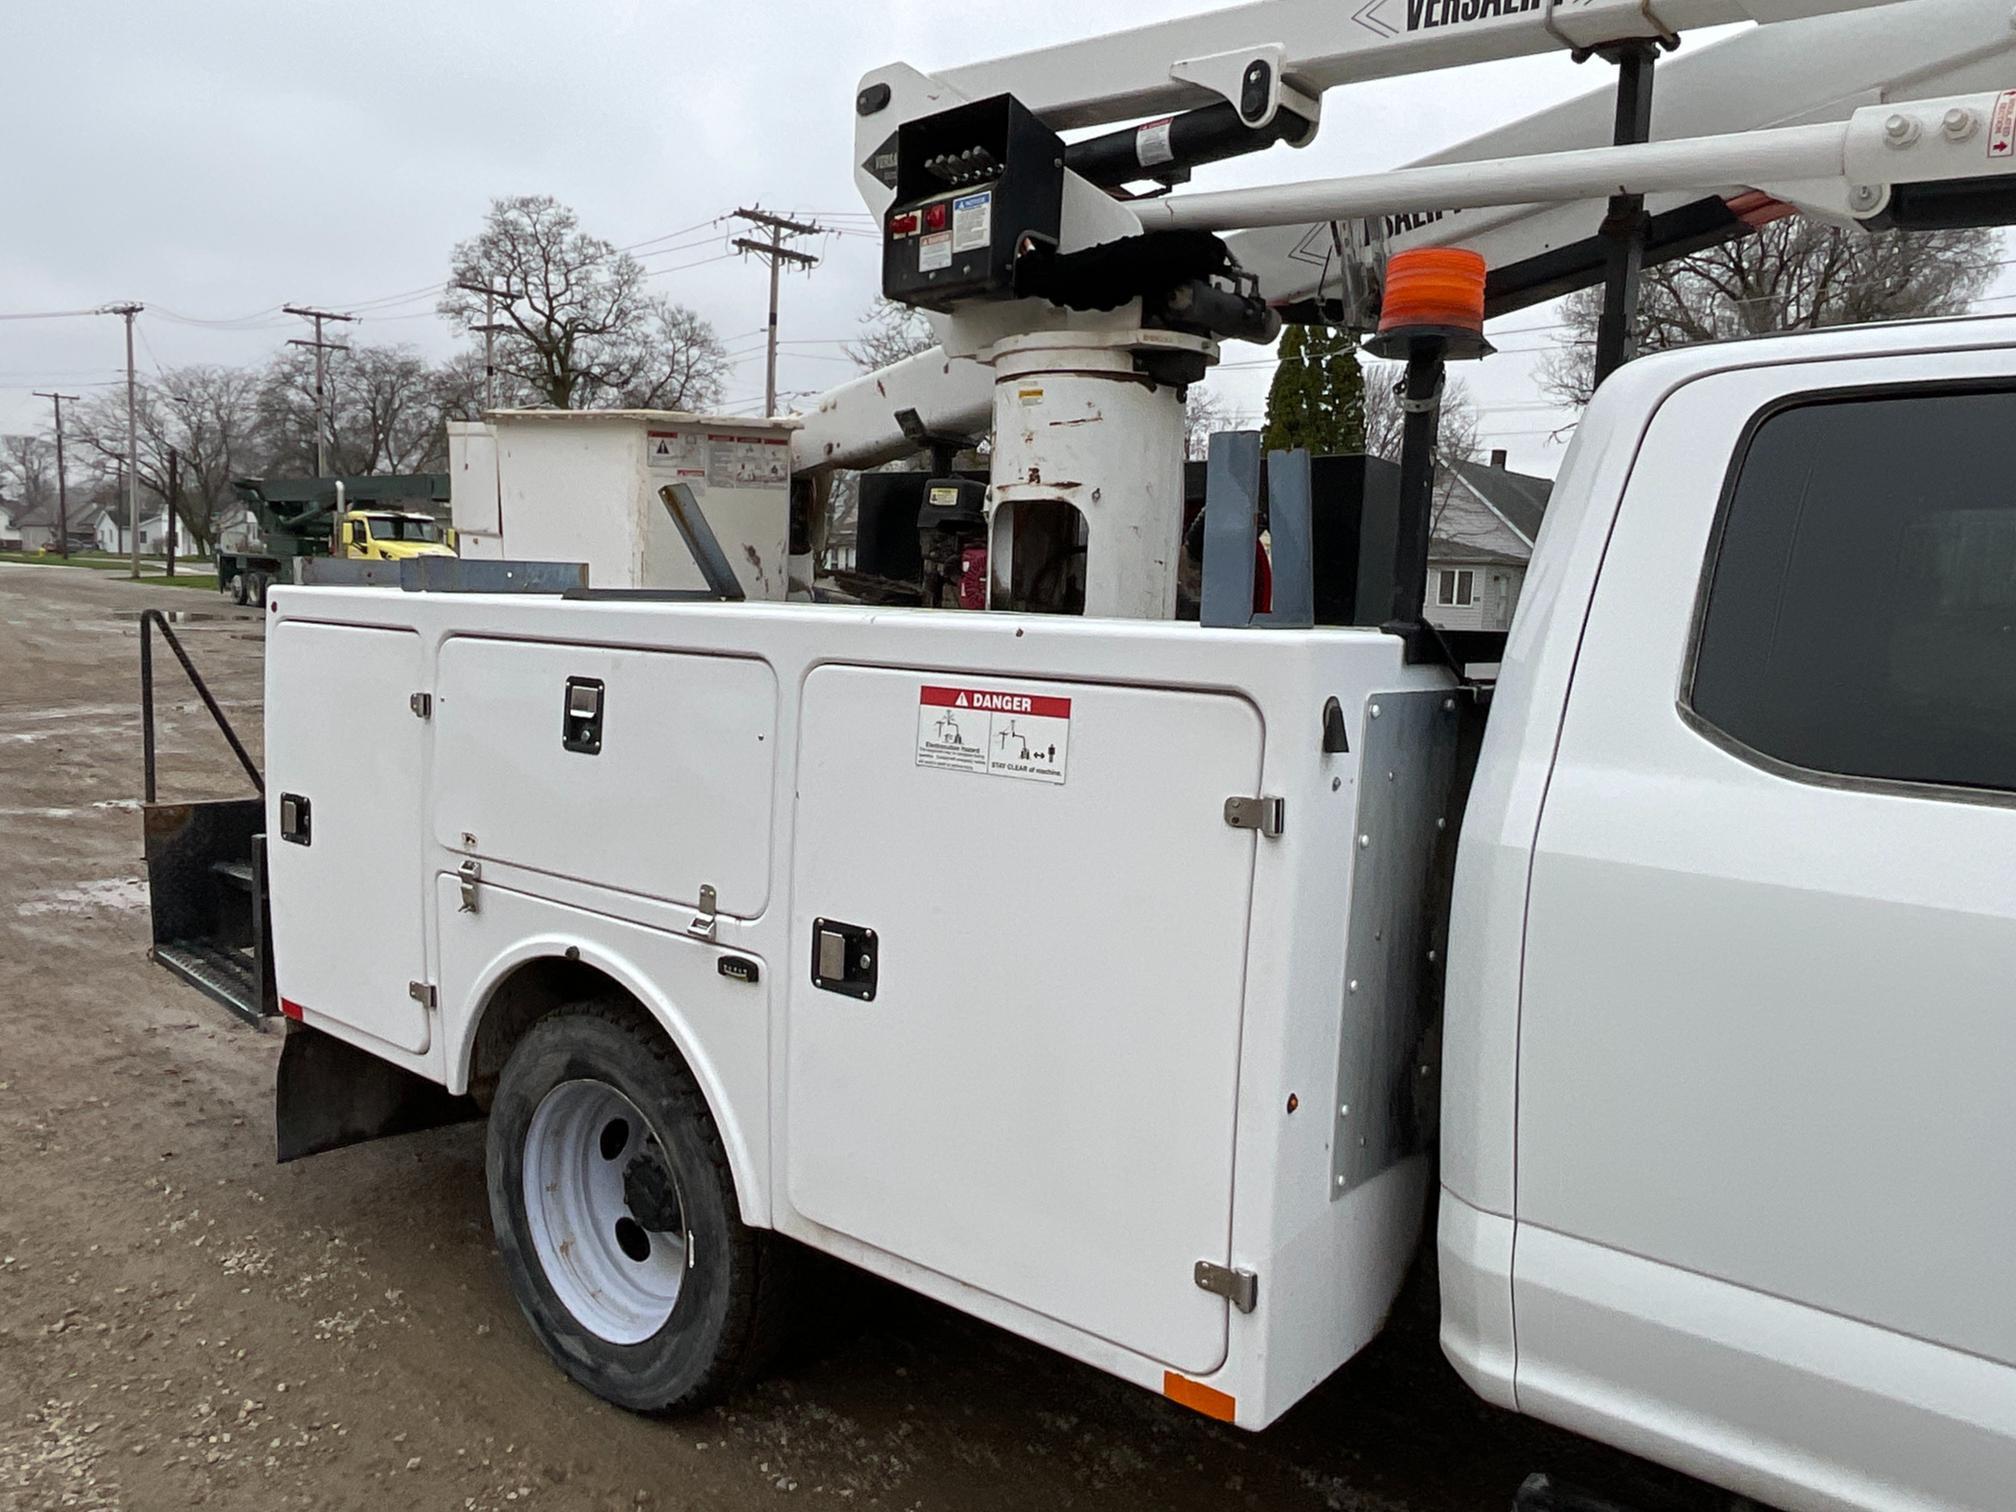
226	976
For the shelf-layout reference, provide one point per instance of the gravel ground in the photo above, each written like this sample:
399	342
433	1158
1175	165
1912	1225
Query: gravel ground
182	1323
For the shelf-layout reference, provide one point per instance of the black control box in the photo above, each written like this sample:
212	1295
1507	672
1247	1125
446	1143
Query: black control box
976	187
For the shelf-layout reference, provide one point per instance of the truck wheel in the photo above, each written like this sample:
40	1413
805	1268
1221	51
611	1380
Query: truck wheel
257	591
617	1220
238	593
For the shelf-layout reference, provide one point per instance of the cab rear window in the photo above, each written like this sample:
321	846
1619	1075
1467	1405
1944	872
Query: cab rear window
1860	613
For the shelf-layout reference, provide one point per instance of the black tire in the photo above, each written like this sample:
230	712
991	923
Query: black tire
238	594
727	1322
260	582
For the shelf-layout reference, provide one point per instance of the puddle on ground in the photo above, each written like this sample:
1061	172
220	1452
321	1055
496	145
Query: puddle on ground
112	895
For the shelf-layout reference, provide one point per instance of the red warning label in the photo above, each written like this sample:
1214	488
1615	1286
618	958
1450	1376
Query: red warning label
994	732
2002	130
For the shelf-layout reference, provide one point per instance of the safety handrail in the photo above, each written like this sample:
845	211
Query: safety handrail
149	619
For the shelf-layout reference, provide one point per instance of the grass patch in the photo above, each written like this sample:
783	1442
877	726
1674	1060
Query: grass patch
204	582
96	560
200	575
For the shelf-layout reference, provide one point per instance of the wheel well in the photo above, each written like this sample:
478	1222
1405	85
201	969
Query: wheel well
531	992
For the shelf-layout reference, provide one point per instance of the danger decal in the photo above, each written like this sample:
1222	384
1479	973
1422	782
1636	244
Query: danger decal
994	732
2002	131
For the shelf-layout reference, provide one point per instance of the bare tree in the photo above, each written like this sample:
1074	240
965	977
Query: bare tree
1456	437
891	332
28	466
586	330
1204	416
1793	275
207	416
384	413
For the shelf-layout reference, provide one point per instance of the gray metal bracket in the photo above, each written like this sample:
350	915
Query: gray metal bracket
1232	535
1385	1109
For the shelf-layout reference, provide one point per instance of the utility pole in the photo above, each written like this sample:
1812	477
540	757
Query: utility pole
776	254
174	492
62	492
130	310
322	426
491	329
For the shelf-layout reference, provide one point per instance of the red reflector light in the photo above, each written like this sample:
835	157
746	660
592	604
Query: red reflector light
903	225
291	1009
935	217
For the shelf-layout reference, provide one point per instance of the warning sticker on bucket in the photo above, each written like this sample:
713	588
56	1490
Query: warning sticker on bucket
994	732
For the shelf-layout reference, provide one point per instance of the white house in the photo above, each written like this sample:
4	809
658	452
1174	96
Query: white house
109	533
10	533
1486	520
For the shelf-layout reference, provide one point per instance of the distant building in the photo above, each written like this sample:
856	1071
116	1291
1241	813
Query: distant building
1486	521
10	533
35	526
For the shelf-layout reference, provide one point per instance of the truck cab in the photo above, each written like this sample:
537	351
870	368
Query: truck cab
385	535
1727	1137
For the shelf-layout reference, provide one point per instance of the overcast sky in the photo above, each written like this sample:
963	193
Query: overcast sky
217	158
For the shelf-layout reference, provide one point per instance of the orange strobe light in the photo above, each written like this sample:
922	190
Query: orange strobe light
1433	294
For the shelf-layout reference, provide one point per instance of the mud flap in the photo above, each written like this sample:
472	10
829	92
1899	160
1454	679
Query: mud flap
330	1095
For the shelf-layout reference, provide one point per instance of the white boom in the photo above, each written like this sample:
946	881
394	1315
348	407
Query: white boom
1326	43
1872	152
1529	197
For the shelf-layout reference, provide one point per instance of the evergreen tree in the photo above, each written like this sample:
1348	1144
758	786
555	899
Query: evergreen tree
1317	401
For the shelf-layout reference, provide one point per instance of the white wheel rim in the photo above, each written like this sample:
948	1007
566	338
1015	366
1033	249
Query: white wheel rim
619	1280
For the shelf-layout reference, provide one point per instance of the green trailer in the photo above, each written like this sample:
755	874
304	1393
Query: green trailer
386	517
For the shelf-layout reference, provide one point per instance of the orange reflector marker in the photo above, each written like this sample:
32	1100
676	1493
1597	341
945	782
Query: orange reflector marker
1199	1398
1434	293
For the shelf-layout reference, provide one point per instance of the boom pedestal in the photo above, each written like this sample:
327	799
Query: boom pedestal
1088	471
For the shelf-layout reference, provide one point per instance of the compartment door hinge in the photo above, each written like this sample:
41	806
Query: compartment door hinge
426	994
1239	1287
1267	815
706	923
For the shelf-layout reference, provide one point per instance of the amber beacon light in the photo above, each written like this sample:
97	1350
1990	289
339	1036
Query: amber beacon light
1433	294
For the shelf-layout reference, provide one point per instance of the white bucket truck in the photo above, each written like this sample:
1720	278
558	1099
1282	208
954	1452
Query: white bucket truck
1154	989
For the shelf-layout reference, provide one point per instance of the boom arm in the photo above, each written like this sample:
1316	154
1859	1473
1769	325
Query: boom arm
1325	43
1822	70
1535	219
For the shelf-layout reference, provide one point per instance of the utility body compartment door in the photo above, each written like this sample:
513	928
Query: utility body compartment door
348	938
644	771
1038	1098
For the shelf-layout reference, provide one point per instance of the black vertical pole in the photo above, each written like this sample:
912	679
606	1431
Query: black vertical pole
147	704
1421	394
1624	229
174	492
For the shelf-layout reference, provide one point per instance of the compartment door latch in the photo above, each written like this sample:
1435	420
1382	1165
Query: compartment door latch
1239	1287
1269	816
470	875
846	959
581	721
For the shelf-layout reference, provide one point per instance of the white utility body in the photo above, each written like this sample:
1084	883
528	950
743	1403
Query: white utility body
1042	1118
1149	988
